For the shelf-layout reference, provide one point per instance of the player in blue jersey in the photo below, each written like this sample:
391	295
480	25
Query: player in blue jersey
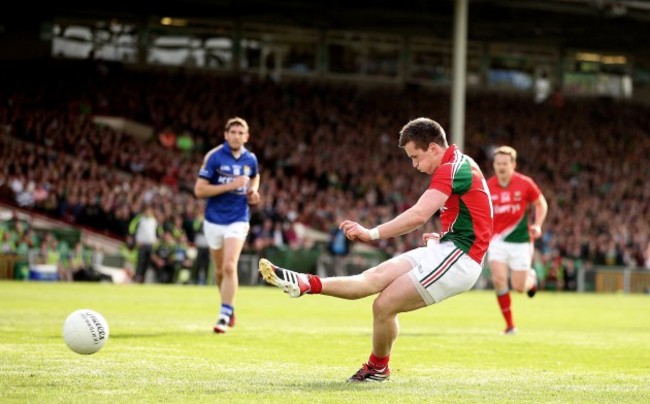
229	180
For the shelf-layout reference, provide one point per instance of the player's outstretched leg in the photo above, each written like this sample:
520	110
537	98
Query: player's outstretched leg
293	283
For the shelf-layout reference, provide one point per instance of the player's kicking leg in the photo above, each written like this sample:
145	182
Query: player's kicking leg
293	283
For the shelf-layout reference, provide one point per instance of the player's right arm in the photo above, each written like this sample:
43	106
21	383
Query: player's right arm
541	210
203	188
409	220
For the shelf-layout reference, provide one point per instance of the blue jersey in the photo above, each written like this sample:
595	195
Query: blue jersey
221	167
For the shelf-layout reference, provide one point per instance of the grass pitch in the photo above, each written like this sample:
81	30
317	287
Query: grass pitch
571	348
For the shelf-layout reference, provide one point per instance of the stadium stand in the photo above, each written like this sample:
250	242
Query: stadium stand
327	149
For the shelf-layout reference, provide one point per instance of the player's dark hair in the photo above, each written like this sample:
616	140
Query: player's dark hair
422	131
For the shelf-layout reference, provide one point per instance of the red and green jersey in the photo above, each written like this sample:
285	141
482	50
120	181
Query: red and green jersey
511	207
466	217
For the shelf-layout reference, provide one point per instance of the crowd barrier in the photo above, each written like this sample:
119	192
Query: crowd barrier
601	279
616	280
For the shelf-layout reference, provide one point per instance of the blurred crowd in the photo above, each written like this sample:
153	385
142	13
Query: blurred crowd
30	247
326	152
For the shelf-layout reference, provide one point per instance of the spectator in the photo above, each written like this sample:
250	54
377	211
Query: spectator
185	143
167	138
144	227
339	248
182	261
202	261
164	258
129	253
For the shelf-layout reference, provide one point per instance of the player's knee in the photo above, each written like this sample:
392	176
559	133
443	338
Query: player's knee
518	287
499	280
229	269
382	308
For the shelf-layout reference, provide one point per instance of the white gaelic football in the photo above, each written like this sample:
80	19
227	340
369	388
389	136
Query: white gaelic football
85	331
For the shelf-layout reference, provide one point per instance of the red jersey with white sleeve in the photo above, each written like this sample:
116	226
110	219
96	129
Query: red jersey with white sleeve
511	207
466	216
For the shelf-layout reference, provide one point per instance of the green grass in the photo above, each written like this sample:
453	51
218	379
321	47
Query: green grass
570	348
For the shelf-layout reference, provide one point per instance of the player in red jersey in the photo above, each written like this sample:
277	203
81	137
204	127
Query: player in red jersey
449	264
511	247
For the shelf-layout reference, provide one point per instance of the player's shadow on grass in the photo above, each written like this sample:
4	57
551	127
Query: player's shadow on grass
438	334
420	334
129	335
142	335
341	385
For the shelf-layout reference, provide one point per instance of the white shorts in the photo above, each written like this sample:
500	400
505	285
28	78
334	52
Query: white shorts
441	270
518	256
215	233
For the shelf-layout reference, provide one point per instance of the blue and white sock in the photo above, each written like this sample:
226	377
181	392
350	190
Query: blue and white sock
226	310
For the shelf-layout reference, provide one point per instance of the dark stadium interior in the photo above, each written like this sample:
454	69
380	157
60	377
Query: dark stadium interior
588	23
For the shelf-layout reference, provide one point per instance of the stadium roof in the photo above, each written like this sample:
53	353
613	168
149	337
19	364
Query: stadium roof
597	24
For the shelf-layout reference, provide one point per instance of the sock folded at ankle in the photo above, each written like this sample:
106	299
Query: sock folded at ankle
315	285
227	310
504	303
378	363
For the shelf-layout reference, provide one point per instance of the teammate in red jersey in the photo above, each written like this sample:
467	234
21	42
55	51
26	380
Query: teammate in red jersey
511	247
449	264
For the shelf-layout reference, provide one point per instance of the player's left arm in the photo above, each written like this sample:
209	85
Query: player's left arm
253	195
409	220
541	209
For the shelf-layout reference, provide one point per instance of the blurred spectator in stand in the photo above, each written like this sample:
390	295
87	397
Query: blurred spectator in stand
339	249
120	223
291	235
144	227
81	262
48	254
182	261
202	261
129	253
171	177
185	143
23	246
279	236
63	248
175	226
570	275
164	258
167	138
263	236
7	245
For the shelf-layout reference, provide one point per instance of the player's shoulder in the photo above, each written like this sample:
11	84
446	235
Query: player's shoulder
523	177
492	180
250	156
213	152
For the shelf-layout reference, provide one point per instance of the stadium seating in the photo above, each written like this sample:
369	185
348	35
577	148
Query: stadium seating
325	150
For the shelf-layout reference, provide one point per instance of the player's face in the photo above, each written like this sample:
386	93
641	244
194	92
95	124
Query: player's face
236	136
426	161
504	167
